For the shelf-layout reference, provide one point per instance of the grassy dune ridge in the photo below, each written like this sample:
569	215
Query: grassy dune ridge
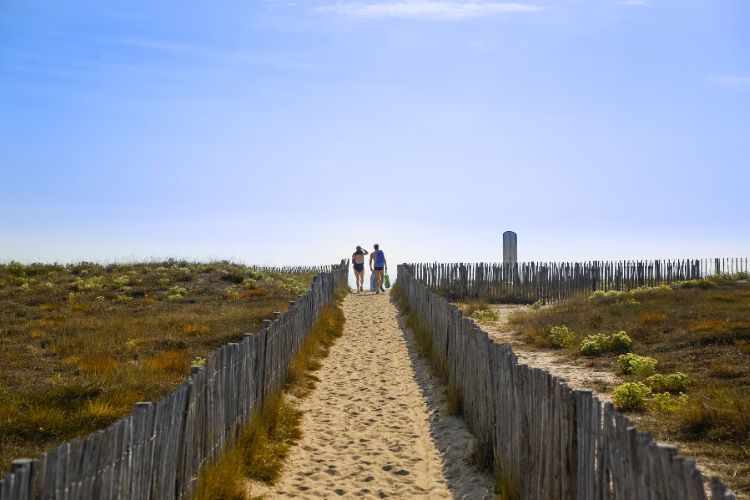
80	344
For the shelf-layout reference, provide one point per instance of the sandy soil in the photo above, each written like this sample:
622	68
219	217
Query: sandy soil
577	373
375	425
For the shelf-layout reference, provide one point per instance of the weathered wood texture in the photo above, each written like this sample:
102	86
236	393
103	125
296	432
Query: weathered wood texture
555	442
549	282
157	451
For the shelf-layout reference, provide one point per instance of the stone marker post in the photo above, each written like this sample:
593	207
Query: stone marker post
510	248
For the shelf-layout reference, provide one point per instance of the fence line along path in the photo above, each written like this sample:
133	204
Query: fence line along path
373	426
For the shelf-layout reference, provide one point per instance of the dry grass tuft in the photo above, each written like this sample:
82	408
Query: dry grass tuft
196	328
222	480
170	362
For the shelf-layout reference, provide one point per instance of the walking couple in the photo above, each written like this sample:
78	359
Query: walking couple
380	268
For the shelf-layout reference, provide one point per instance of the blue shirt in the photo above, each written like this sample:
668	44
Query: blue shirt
379	258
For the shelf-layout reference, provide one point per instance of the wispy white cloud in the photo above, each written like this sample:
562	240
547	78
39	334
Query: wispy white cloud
196	50
425	9
635	3
729	81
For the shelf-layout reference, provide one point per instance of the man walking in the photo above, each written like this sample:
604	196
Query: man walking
380	266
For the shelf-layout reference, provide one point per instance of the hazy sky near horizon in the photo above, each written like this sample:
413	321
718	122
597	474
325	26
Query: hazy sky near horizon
285	132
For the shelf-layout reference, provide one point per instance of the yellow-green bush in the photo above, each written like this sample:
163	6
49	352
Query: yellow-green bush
673	383
561	336
593	345
631	396
485	315
642	366
664	402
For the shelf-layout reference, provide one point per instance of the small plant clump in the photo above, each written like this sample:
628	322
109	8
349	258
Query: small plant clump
485	315
177	292
701	284
631	396
594	345
561	336
642	366
664	402
673	383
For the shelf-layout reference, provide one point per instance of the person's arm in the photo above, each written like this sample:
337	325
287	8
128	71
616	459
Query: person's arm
372	256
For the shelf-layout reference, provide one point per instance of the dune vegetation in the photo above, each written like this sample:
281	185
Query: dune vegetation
681	354
81	344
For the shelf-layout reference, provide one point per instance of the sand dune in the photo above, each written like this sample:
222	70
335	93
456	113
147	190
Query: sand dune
374	427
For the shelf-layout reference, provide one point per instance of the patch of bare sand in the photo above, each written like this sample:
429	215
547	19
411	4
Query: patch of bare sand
577	373
375	425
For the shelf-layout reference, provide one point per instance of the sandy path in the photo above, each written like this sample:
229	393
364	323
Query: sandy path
374	426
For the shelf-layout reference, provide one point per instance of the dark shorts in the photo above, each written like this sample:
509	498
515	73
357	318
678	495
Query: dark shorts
359	267
378	268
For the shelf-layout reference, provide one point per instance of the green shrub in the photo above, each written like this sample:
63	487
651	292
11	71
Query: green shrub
485	315
561	336
673	383
176	292
250	283
256	275
594	345
621	342
665	402
702	284
645	290
121	281
630	363
631	396
608	296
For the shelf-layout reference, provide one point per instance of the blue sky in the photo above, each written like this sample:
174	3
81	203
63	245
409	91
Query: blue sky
277	132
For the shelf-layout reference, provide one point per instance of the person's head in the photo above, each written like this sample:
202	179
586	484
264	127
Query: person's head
377	247
359	248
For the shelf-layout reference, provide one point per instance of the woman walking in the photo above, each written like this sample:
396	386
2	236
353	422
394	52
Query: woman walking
358	258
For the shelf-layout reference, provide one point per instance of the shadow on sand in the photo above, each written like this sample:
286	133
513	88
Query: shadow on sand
449	433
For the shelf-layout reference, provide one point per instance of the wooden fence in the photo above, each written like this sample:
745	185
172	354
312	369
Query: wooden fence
157	451
550	282
553	442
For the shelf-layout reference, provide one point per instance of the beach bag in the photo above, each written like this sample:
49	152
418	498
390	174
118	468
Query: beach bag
386	281
373	283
